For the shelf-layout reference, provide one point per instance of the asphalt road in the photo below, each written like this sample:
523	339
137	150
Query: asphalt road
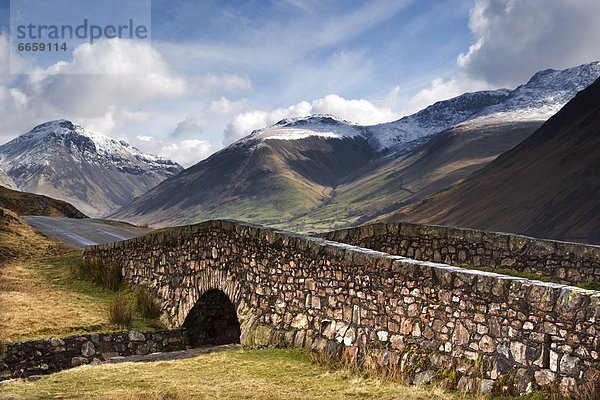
83	232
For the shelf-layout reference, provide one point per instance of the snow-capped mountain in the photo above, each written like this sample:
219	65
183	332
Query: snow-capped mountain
320	172
325	126
94	172
537	100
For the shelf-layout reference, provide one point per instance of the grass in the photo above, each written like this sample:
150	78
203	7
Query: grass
254	374
41	294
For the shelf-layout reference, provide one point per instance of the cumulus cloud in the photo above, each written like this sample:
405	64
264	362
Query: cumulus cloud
104	86
197	122
512	41
515	39
186	152
360	111
120	79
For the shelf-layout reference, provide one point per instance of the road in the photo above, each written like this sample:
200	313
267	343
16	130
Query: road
83	232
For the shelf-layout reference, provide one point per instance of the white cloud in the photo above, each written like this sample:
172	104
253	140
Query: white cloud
121	79
223	82
105	86
515	39
440	89
198	121
186	152
360	111
512	41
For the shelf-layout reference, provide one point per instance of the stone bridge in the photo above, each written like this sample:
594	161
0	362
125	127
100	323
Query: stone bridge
229	282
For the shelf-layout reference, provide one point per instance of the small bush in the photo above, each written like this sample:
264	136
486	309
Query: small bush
109	275
146	304
120	311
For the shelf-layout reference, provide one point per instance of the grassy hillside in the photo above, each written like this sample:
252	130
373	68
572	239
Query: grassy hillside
318	184
265	183
41	294
32	204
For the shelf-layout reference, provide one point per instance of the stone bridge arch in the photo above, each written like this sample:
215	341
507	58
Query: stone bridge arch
213	320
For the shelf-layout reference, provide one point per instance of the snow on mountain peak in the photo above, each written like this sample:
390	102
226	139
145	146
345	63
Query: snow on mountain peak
537	100
35	147
321	125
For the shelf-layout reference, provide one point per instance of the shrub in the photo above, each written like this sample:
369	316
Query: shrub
109	275
146	304
120	311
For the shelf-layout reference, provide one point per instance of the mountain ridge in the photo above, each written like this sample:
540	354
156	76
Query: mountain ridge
300	172
94	172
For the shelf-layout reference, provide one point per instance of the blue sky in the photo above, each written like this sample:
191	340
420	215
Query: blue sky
220	69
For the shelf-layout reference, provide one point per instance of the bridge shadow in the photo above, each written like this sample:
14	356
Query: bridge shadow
213	320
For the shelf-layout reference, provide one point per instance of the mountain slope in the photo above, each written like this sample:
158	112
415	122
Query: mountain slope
33	204
6	181
548	186
95	173
266	177
448	157
315	173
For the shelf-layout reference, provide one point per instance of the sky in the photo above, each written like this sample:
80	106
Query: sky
216	70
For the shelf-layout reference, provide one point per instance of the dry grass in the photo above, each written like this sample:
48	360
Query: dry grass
40	293
256	374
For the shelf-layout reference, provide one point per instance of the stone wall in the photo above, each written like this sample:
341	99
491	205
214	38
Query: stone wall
426	320
567	262
37	357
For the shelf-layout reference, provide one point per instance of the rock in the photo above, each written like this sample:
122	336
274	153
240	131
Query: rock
460	336
135	336
519	352
569	365
553	361
77	361
382	336
486	344
262	335
486	386
466	384
88	349
544	377
33	378
424	378
300	321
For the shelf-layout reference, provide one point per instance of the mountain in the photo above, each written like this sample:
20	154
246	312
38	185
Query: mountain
391	182
548	186
6	181
94	172
33	204
275	173
318	172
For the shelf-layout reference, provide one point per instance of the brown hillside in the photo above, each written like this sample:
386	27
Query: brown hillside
548	186
33	204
